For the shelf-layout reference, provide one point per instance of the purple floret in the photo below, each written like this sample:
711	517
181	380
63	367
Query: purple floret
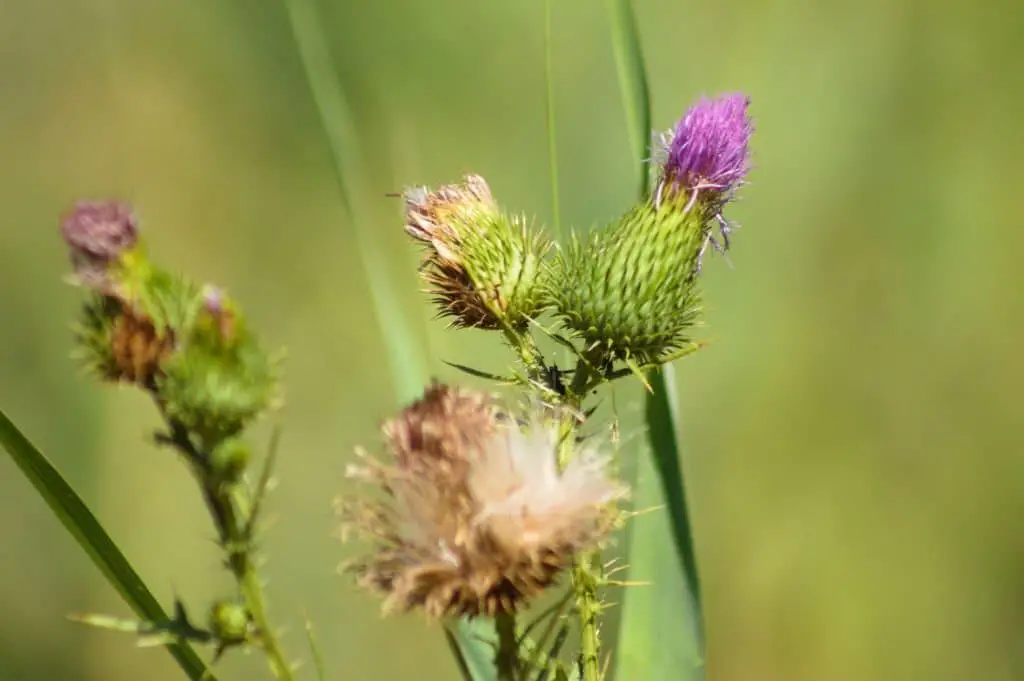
709	148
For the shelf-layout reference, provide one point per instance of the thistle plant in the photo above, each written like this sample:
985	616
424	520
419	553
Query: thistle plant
477	503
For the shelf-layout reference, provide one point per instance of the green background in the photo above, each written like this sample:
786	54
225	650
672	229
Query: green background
853	433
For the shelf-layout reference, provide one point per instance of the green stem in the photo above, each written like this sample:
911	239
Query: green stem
506	657
585	577
526	348
249	583
584	583
230	509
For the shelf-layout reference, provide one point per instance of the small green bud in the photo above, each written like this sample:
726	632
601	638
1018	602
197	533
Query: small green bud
220	378
229	622
484	267
229	460
631	288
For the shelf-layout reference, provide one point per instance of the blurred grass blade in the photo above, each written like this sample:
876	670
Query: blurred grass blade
90	535
408	368
661	546
314	649
549	102
406	362
636	97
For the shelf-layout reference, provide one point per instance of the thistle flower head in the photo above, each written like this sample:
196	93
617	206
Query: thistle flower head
435	217
97	234
708	150
482	266
477	519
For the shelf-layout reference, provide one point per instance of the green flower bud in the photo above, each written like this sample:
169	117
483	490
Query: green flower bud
229	622
631	288
229	459
484	267
219	378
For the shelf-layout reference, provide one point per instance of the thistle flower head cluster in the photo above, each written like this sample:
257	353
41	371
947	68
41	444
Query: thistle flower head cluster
483	267
185	344
476	518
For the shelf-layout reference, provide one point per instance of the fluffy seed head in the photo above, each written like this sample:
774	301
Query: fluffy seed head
476	518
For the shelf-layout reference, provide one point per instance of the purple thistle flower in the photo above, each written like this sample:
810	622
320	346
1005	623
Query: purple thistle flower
708	151
97	233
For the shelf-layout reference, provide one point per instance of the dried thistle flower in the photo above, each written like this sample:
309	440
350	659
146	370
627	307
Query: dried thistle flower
121	343
477	519
97	234
483	267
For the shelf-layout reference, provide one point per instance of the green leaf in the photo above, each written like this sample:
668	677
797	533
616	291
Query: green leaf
405	359
471	642
661	546
90	535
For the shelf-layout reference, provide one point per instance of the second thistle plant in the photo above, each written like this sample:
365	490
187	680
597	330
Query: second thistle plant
190	348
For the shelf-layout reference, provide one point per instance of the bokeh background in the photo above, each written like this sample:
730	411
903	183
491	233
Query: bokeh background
853	435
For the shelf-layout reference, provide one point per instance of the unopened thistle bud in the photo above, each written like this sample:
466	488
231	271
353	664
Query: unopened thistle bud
220	377
477	519
483	267
630	288
97	234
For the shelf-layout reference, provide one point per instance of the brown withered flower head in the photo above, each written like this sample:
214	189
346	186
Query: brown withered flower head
476	519
482	267
97	233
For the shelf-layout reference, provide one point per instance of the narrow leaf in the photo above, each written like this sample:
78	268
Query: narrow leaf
549	101
661	546
97	544
314	648
408	367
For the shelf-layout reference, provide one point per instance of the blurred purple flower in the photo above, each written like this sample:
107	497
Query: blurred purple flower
97	233
708	150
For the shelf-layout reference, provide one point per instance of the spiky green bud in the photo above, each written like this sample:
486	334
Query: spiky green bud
631	288
219	378
229	460
483	266
229	622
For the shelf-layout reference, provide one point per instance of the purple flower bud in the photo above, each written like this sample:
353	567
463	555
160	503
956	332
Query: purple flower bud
97	233
708	151
213	299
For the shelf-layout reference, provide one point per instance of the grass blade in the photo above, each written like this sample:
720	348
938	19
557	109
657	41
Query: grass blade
90	535
632	74
674	605
549	106
314	649
407	365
